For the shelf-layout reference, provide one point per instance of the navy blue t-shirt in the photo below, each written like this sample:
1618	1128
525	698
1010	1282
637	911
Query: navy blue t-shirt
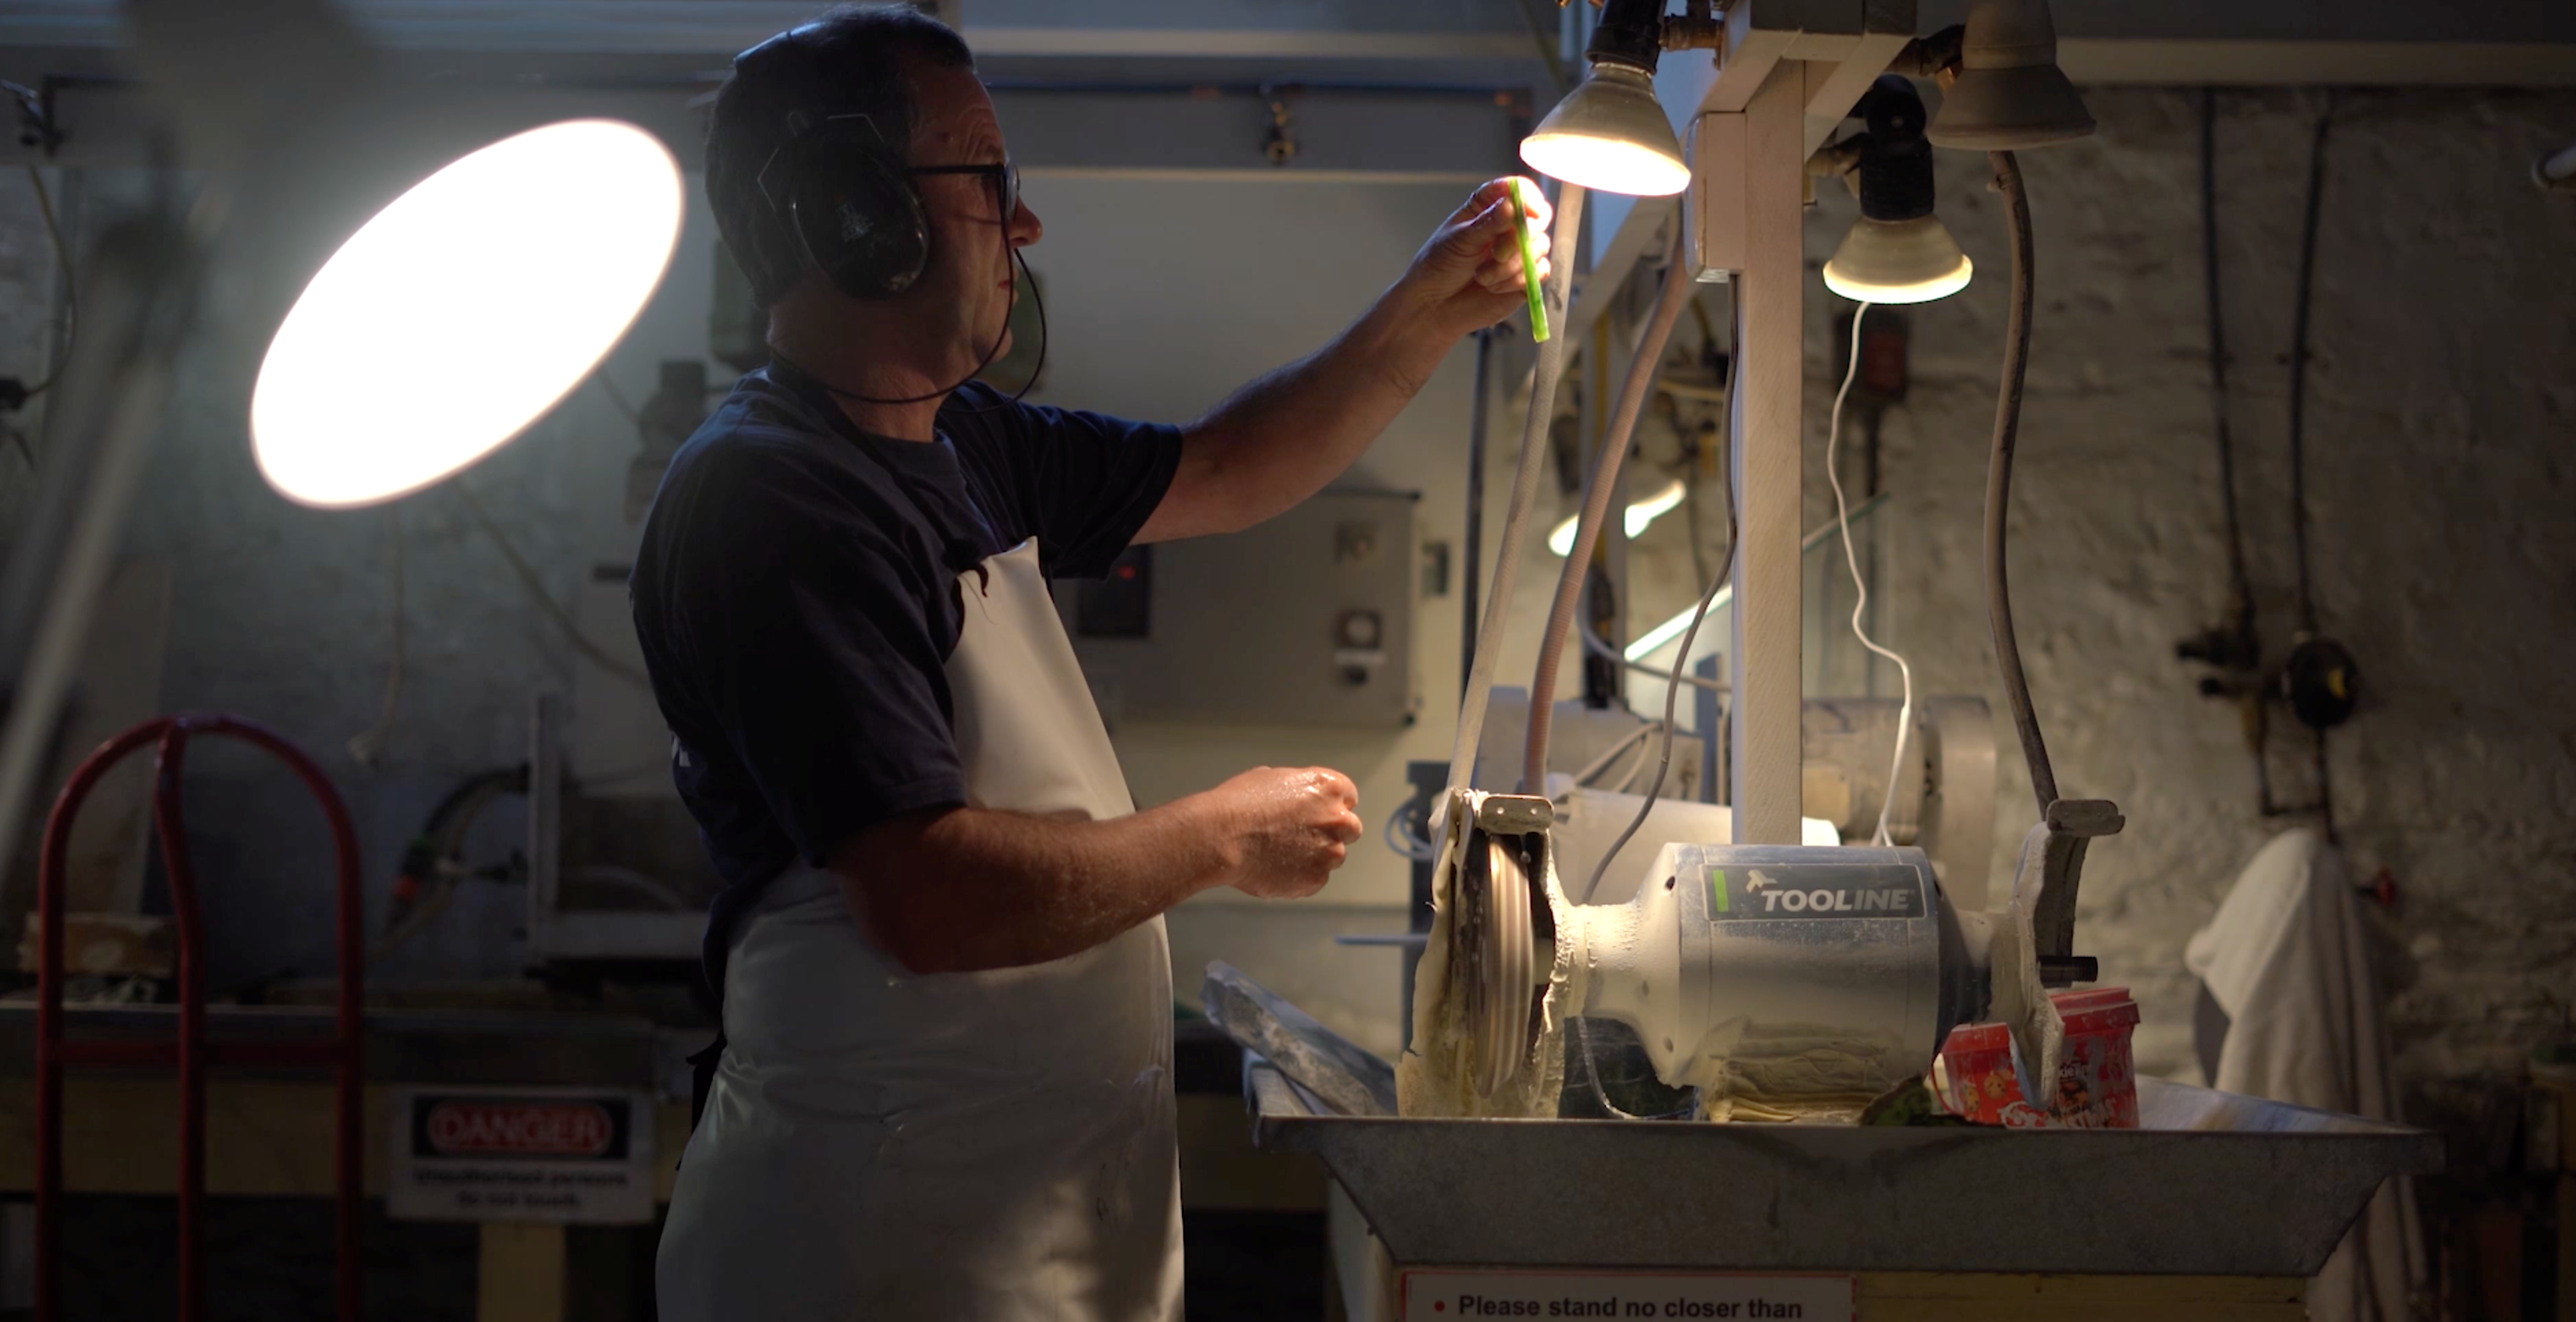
796	596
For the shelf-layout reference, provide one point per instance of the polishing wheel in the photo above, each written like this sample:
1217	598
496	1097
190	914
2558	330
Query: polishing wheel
1510	947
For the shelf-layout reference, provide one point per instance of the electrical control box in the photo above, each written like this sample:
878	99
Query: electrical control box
1306	619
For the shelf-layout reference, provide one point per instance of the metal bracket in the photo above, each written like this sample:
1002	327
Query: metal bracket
1515	814
2035	936
2058	844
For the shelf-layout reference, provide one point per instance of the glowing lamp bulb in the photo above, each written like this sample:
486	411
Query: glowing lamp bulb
463	311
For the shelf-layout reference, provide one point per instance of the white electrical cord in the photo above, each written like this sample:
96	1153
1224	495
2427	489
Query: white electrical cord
1842	524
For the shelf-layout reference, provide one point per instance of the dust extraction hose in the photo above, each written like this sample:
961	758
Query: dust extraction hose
2043	778
1640	382
1534	452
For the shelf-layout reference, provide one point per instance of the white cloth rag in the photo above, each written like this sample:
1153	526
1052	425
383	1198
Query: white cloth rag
2285	958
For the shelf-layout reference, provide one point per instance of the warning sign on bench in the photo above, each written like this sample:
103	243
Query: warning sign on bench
1433	1295
522	1154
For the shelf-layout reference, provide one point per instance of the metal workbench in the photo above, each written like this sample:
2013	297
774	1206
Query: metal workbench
2210	1185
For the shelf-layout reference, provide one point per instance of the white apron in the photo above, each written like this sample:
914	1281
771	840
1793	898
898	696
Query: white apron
979	1146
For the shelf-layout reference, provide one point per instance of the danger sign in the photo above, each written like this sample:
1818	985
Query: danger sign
522	1154
485	1128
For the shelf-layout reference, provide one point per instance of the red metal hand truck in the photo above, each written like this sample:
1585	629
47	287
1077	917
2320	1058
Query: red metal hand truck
191	1053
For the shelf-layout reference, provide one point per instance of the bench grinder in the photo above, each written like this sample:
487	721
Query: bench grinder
1766	971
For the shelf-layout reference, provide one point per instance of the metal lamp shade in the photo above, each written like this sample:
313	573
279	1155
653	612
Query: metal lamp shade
1898	261
1611	135
2010	94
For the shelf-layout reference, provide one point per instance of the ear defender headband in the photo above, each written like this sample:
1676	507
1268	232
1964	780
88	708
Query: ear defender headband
834	180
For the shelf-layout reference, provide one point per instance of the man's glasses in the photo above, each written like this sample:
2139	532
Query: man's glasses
1005	178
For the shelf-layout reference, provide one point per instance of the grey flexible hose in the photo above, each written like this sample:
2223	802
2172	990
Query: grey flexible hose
1534	452
1664	765
1643	367
2034	748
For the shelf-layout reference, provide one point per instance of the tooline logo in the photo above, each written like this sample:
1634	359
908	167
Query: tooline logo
1820	891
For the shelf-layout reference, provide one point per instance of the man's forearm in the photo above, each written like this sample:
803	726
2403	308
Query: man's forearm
969	889
1282	437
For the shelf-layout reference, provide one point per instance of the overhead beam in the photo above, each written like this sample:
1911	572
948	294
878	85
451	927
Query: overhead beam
1392	136
1758	36
724	26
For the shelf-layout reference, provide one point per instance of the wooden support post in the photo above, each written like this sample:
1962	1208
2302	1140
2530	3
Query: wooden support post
1766	443
521	1276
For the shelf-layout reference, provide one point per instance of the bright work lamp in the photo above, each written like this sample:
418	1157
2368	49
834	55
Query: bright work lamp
1610	133
477	300
1641	515
1898	261
425	264
2010	94
1898	251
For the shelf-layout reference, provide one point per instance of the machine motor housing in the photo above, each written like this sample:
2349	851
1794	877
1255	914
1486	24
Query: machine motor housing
1782	971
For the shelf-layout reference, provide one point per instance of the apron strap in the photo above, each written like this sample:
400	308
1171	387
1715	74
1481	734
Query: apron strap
702	1077
722	917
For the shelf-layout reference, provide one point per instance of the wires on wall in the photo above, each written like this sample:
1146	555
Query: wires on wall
2300	305
433	864
369	744
2319	680
536	586
1672	687
62	264
14	395
2240	582
2306	657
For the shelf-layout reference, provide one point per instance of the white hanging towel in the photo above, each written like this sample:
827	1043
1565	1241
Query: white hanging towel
2284	958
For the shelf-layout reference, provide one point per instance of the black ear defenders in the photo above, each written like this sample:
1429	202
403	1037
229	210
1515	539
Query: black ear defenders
838	185
834	181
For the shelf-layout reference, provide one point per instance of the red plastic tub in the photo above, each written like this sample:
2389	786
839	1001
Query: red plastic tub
2097	1089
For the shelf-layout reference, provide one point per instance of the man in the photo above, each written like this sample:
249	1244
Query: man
944	1085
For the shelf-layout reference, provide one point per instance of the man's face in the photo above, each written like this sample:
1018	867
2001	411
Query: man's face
966	292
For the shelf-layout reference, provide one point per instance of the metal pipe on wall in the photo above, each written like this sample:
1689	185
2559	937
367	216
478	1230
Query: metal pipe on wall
1534	453
1471	573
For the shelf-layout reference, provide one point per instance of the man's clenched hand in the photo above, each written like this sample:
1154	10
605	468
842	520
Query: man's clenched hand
1285	829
